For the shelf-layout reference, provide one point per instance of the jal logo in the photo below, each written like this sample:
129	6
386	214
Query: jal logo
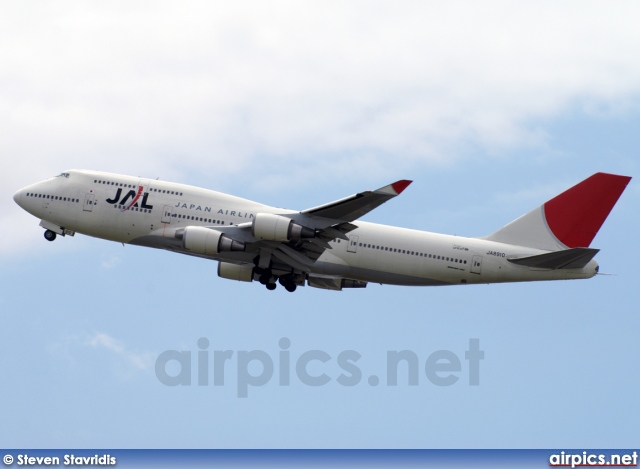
130	199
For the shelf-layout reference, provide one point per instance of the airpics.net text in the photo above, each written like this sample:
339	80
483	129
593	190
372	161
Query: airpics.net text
255	368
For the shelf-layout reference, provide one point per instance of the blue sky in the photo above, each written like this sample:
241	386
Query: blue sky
491	111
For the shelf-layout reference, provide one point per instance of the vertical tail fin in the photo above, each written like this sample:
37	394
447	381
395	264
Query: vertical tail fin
569	220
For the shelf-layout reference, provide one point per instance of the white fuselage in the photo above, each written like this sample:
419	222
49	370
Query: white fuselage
98	204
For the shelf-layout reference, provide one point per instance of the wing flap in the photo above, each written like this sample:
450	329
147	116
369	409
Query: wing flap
292	262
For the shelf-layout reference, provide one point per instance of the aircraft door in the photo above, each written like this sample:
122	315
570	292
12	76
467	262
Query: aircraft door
89	201
353	243
167	211
476	265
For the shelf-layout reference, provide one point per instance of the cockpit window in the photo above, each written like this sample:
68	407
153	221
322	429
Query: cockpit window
64	175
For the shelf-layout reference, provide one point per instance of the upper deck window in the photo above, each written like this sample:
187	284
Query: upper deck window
65	175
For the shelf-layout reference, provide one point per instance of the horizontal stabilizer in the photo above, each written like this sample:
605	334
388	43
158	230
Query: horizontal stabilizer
575	258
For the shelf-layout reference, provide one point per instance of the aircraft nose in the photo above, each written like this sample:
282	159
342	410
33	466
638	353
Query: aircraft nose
18	197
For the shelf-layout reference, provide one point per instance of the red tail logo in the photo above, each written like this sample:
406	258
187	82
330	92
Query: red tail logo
576	215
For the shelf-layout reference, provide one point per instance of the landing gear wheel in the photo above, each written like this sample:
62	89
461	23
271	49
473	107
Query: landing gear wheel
49	235
271	286
265	277
288	283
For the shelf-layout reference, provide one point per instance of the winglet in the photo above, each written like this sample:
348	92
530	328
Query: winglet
401	185
396	188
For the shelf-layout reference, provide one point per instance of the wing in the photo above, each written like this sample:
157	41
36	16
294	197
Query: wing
322	224
353	207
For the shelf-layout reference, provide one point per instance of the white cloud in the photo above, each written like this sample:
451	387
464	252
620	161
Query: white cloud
111	263
124	361
296	91
136	360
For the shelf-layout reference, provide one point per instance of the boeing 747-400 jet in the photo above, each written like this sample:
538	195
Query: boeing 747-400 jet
325	246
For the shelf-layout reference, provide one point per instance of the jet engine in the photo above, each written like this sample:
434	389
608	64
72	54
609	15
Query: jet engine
278	228
207	241
240	272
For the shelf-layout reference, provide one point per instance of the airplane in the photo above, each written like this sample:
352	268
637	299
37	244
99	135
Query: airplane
326	246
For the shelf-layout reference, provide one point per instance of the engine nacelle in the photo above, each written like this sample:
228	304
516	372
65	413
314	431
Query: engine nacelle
278	228
207	241
239	272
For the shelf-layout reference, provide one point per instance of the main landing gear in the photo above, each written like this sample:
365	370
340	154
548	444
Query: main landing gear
50	235
269	280
287	283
